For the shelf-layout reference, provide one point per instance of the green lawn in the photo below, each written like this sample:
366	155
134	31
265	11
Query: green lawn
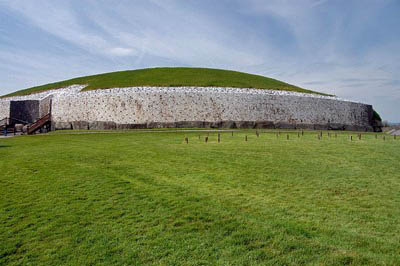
170	77
148	198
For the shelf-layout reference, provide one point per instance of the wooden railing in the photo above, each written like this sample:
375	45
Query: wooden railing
39	124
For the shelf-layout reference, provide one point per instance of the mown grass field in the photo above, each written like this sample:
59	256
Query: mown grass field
169	77
139	198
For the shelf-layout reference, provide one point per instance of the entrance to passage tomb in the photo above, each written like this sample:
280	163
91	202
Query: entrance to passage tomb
24	111
29	116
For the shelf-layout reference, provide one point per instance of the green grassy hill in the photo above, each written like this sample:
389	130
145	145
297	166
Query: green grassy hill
170	77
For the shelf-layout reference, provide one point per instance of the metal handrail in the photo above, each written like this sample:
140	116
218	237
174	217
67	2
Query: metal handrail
7	120
19	120
4	122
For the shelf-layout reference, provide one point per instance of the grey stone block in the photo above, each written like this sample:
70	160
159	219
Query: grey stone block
245	124
62	125
80	125
265	124
228	124
321	126
285	125
305	126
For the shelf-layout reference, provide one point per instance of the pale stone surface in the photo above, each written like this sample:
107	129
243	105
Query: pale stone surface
4	109
395	132
217	107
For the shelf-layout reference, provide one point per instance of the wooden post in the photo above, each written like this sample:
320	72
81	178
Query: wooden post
206	139
351	138
232	133
359	136
219	138
287	136
302	132
376	136
245	138
186	140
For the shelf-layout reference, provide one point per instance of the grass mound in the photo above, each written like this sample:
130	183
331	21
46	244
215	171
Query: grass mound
169	77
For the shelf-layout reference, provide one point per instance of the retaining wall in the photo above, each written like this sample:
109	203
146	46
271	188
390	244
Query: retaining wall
149	107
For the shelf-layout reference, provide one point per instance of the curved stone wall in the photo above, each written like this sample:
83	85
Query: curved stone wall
149	107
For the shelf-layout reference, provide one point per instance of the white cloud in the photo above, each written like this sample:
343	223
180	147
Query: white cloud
120	51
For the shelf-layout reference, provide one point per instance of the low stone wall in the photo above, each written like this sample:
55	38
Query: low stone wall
153	107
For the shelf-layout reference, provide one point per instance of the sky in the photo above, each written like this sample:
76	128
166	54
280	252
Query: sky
349	48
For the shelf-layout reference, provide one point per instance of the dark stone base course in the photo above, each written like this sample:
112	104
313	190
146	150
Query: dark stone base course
102	125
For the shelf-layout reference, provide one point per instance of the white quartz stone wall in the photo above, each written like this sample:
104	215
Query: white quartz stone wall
141	105
4	109
144	105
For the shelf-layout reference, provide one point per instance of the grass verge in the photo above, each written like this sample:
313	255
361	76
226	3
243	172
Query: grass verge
138	198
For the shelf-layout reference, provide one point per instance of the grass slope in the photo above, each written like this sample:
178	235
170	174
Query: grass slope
148	198
169	77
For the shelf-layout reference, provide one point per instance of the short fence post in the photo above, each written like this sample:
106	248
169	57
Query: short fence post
245	138
206	139
186	140
232	133
219	138
287	136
